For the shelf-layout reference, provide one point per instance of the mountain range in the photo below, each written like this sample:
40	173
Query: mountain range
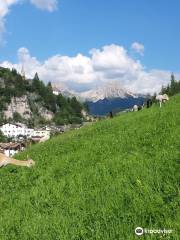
111	96
34	101
107	90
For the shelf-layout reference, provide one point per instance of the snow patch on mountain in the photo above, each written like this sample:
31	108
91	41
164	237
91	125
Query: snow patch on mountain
108	90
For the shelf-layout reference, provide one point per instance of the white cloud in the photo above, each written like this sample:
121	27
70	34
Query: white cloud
111	63
2	29
49	5
138	47
5	5
4	10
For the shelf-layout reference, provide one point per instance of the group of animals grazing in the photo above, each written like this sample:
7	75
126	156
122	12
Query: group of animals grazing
159	98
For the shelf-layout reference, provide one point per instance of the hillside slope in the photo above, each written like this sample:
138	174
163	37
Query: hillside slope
33	102
99	182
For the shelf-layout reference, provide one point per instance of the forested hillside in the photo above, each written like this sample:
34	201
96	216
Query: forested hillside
40	104
172	88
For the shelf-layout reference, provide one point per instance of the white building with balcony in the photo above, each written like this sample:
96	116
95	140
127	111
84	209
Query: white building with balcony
56	91
15	130
41	133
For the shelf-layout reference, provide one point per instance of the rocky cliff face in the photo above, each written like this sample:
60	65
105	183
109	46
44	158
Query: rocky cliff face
47	115
18	105
24	106
33	102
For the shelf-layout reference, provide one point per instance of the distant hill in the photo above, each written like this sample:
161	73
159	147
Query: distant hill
32	102
99	182
110	96
104	106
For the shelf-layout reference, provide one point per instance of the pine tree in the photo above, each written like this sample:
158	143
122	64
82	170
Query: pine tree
36	77
173	85
172	88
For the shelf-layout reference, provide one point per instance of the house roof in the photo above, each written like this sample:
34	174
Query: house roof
21	125
10	145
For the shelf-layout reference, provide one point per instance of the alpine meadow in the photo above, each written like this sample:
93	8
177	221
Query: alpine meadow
99	182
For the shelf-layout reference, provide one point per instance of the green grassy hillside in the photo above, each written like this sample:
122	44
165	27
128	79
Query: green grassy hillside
99	182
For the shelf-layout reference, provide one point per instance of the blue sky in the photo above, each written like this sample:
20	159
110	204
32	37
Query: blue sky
81	25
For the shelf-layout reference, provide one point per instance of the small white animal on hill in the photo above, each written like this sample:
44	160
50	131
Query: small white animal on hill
135	108
162	98
4	160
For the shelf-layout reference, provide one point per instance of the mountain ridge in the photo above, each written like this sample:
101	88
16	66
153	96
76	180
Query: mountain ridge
104	106
110	96
107	90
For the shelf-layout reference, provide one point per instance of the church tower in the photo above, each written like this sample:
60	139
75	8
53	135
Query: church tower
23	73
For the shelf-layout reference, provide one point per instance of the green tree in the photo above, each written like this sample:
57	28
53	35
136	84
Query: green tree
36	77
50	98
2	137
17	117
76	106
61	101
173	85
172	88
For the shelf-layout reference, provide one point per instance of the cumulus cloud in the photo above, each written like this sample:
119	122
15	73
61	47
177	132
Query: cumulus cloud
5	6
4	10
111	63
49	5
138	47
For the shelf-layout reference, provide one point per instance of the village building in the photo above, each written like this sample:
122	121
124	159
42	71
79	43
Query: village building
41	133
56	91
15	130
9	149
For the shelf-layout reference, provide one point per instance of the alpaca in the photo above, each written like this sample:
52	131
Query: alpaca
135	108
162	98
7	160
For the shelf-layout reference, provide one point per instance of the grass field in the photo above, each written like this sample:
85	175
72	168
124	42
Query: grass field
99	182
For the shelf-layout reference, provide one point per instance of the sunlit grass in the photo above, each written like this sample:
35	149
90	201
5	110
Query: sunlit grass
99	182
